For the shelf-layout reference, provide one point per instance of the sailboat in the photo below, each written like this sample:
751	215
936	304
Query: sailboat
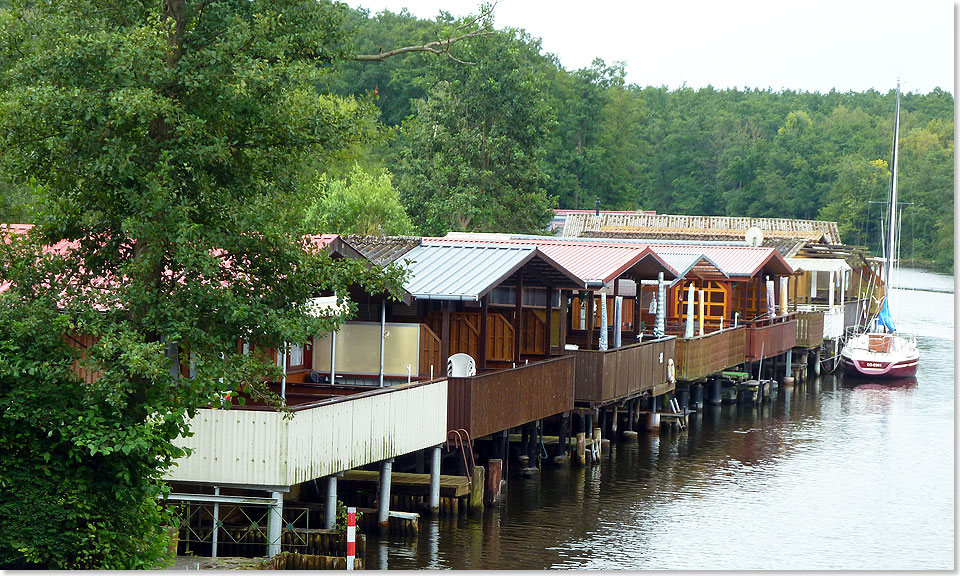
882	352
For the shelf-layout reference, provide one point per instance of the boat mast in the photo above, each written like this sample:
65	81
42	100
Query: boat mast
892	210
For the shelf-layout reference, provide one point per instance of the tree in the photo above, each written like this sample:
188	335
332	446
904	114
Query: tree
165	141
358	204
472	153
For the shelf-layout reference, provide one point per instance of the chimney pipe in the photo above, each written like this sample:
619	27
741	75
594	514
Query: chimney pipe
598	205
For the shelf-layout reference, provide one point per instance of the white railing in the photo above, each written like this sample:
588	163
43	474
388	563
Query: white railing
262	447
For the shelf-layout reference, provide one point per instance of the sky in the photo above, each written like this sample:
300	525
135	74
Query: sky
809	45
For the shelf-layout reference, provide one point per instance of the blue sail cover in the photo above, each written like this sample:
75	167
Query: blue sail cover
884	318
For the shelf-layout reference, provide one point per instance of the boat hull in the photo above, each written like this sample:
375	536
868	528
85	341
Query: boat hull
879	368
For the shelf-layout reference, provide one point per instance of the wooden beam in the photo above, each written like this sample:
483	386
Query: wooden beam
590	321
444	334
549	318
518	319
482	361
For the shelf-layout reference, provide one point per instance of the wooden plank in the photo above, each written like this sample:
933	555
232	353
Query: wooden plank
408	482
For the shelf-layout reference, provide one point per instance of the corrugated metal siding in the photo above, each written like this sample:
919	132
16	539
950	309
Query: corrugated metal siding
263	448
452	272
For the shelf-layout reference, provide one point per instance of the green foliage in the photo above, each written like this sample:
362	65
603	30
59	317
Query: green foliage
167	149
471	155
357	204
734	152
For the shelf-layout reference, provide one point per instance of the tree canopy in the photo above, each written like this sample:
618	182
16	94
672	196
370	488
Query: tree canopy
162	142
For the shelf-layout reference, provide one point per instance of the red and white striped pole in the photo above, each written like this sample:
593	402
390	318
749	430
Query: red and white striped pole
351	536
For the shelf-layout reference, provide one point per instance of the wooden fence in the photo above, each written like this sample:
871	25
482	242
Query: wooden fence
701	356
607	375
487	403
809	329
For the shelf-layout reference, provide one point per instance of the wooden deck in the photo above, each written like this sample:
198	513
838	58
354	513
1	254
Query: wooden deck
770	336
495	401
606	376
809	329
701	356
406	483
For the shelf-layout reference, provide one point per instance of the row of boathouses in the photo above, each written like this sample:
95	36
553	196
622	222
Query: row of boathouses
506	351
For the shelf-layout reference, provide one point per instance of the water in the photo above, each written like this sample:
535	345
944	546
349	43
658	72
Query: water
832	475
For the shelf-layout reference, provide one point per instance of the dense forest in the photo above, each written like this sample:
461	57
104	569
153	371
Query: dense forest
494	133
495	143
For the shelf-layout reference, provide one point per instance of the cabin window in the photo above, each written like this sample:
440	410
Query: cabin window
714	303
503	295
298	357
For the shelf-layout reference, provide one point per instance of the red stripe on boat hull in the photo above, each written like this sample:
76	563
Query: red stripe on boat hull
873	369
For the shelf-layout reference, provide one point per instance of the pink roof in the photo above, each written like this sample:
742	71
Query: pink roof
742	261
586	260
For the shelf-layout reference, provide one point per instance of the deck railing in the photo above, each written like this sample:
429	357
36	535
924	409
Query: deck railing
701	356
768	337
809	329
269	448
491	402
604	376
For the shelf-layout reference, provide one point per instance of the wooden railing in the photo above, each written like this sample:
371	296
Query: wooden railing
604	376
701	356
487	403
809	329
768	337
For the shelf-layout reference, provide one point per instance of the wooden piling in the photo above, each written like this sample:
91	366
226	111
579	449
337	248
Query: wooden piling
597	445
476	490
495	469
582	448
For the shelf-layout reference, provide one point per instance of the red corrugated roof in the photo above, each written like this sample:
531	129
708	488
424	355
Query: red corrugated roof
586	260
741	261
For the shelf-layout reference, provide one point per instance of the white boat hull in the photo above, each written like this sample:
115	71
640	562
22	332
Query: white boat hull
880	355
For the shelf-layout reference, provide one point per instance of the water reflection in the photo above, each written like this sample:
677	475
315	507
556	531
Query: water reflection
833	473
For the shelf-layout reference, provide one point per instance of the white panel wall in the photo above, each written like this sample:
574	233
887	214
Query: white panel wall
263	448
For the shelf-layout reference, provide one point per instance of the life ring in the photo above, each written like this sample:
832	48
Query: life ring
671	371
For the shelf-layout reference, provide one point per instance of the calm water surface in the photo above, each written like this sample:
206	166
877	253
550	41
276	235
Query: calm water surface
832	475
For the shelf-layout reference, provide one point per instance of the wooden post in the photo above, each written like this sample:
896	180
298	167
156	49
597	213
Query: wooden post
518	320
562	445
482	361
444	335
582	448
476	489
589	326
549	336
597	443
494	474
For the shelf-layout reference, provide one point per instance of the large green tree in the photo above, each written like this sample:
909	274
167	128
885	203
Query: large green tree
472	152
164	140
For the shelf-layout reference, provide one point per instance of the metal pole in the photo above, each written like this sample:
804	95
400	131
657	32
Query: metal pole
333	357
383	512
216	524
435	480
282	360
330	512
274	524
351	536
383	328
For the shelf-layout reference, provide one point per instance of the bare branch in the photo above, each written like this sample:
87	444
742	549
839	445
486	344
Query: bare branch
436	47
